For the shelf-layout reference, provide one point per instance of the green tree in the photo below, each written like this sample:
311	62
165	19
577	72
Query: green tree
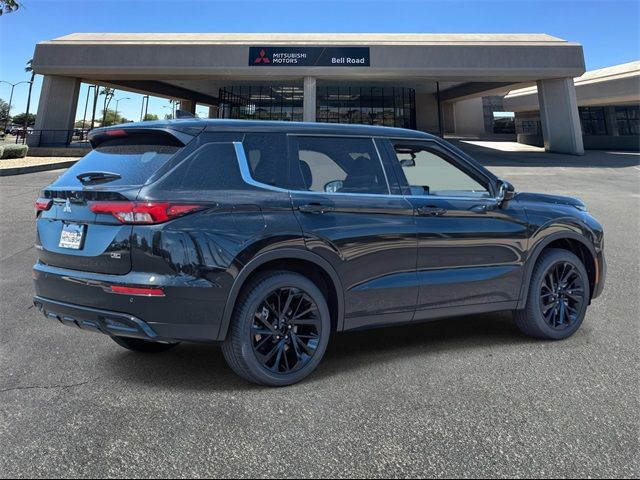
108	93
8	6
24	118
150	117
4	112
109	117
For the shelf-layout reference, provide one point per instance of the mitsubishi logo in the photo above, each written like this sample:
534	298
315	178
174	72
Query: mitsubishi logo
262	58
67	206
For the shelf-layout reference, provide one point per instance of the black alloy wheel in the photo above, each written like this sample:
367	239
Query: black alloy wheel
279	330
286	330
562	295
558	296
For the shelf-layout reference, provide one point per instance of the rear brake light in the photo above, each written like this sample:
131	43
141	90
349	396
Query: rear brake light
143	212
43	204
137	291
116	132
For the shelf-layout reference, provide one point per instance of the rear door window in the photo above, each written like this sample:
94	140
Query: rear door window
339	165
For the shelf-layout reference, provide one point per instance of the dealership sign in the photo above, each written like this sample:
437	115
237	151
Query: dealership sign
309	56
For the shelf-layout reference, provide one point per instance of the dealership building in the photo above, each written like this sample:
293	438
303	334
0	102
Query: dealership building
418	81
608	107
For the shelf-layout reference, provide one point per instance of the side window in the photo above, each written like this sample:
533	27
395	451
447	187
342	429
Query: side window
267	157
340	165
213	166
318	170
429	173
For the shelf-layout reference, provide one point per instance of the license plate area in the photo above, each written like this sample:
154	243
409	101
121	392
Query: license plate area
72	236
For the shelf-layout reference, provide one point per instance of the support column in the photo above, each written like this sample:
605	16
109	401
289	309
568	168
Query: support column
56	111
188	106
309	102
559	116
213	112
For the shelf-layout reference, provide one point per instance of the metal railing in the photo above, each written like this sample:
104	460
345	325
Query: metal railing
54	138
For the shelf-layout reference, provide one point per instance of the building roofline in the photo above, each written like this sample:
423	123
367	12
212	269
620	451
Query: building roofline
370	39
614	72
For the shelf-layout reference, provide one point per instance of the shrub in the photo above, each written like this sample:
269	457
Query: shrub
14	151
1	150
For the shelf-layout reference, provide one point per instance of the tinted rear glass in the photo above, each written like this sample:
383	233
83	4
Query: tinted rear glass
135	163
213	166
267	157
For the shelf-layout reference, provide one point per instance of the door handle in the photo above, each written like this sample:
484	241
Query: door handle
481	208
315	208
431	210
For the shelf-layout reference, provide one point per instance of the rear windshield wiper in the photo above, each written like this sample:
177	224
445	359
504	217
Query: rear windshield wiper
95	177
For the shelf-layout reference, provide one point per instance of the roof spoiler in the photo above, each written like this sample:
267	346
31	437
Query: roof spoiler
153	136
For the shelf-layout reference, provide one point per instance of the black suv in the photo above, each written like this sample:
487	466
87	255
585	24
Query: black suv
269	236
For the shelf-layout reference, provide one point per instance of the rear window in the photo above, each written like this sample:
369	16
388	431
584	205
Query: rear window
213	166
267	157
135	163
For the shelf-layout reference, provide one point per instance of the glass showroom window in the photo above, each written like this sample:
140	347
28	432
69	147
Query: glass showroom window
592	120
628	119
389	106
250	102
530	127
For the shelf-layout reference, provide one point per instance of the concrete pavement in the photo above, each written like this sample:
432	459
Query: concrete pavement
463	397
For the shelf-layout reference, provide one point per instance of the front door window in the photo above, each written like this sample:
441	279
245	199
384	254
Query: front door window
429	174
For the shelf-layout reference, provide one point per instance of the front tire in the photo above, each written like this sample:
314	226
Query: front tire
558	296
143	346
279	330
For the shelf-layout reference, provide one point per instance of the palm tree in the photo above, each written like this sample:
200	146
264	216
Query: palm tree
8	6
95	104
29	69
108	95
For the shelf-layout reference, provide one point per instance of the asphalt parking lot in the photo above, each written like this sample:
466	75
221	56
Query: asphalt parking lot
464	397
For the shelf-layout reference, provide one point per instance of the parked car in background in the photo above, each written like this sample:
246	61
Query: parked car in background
269	237
22	132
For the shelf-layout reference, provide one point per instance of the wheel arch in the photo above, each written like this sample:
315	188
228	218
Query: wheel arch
567	240
296	260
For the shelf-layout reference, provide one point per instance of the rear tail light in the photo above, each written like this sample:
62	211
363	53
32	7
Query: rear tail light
143	212
137	291
118	132
43	204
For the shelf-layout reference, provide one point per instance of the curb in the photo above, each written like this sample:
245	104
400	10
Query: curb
5	172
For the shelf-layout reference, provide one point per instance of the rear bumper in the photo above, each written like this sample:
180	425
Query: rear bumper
190	310
95	320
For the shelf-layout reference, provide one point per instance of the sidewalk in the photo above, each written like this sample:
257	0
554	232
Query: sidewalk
17	166
513	154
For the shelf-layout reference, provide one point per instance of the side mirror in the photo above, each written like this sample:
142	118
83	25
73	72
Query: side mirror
334	186
506	192
408	163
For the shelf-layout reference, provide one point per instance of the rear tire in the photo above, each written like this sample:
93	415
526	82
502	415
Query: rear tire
143	346
279	330
558	296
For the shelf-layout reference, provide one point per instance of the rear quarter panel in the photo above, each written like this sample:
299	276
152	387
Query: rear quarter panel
214	244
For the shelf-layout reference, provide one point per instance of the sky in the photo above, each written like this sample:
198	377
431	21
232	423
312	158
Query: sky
608	29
